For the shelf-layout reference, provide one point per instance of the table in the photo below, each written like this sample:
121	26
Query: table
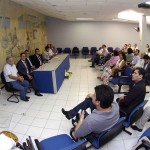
50	76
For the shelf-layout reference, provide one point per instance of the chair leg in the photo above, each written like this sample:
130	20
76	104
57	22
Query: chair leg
128	132
119	89
15	95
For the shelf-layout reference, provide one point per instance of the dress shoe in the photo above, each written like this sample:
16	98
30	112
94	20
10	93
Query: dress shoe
92	66
90	60
27	97
38	94
66	113
136	128
26	100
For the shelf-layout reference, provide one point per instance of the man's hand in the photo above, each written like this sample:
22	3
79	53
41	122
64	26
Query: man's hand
20	78
30	77
82	115
121	98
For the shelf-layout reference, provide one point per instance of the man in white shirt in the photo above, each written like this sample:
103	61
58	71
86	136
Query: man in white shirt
102	53
16	81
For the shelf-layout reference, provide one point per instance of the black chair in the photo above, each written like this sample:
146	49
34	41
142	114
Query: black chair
59	50
133	116
93	50
75	51
124	79
85	51
9	88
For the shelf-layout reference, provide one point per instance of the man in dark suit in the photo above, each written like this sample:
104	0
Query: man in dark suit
136	93
23	70
36	58
147	69
29	61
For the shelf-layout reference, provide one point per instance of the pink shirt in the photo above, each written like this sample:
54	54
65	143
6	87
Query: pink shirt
113	60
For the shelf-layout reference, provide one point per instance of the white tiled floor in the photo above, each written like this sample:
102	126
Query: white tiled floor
41	117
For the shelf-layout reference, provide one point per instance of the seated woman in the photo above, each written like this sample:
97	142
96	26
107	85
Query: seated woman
129	55
113	60
111	72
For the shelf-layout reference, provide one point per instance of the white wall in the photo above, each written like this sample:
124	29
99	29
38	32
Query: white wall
69	34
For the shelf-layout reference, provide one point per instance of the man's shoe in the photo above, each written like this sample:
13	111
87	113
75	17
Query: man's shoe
38	94
66	113
136	128
92	66
27	97
26	100
90	60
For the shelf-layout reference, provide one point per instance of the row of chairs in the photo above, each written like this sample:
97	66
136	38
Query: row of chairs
66	142
84	51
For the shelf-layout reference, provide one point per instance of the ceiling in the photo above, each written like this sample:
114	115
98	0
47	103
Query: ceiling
100	10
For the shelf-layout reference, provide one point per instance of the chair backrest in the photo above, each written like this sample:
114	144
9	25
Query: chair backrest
108	135
93	50
85	50
59	50
75	50
67	50
3	78
110	49
146	133
135	114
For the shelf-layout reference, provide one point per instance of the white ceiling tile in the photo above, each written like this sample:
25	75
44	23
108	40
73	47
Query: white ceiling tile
101	10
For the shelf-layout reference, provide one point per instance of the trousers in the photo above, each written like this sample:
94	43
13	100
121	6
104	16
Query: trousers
144	118
87	103
21	86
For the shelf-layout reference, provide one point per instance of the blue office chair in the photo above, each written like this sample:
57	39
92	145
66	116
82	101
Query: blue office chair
98	140
110	49
124	79
59	50
93	50
145	143
60	142
67	50
133	116
85	51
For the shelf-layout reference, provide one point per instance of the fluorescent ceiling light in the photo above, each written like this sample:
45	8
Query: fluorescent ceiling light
147	3
85	19
130	15
117	19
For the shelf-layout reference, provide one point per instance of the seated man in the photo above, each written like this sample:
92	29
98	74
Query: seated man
45	55
100	55
147	69
136	93
37	58
105	112
29	61
24	71
139	125
16	81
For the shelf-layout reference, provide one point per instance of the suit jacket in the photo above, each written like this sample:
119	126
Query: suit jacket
28	63
35	60
22	70
135	96
147	73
